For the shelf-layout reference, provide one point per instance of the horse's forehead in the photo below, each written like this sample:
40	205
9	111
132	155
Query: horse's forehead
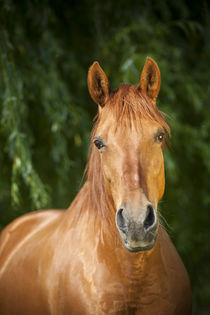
133	129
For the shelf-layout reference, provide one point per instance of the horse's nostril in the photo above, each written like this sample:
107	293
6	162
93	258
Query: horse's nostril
150	217
120	218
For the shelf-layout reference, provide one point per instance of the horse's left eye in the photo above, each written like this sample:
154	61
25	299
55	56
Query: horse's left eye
99	144
160	137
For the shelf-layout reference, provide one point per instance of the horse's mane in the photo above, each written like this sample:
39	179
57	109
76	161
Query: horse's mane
129	107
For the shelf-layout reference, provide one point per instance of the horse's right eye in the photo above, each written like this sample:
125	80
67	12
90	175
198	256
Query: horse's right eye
99	144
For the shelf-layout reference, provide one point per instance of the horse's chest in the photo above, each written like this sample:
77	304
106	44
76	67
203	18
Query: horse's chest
120	298
104	292
131	297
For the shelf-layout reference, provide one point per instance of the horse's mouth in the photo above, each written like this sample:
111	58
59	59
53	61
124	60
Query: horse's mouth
138	247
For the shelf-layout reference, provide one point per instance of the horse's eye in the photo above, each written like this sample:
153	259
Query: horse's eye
99	143
160	137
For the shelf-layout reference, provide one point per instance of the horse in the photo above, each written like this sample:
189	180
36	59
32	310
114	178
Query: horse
108	252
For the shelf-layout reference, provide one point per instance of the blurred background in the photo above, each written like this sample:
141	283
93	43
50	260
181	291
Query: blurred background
46	114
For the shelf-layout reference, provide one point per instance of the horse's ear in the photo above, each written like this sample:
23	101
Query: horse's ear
98	84
150	79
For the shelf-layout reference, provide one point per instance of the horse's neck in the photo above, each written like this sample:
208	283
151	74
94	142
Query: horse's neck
92	204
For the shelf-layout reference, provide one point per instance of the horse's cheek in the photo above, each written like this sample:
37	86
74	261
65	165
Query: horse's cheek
111	178
161	182
156	177
159	176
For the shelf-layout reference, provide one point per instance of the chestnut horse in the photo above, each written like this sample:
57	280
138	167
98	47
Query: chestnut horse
107	254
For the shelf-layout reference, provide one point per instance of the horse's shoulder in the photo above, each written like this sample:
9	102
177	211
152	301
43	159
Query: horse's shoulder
30	219
176	272
24	226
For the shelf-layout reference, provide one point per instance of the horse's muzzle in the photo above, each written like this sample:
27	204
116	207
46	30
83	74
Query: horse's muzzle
138	235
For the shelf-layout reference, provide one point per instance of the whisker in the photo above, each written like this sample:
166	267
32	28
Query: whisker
164	223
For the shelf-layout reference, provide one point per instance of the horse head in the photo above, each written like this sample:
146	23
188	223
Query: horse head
128	138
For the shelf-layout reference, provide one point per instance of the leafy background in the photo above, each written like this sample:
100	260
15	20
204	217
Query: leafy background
46	113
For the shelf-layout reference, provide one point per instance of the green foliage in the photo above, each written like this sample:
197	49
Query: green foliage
45	108
43	131
12	122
